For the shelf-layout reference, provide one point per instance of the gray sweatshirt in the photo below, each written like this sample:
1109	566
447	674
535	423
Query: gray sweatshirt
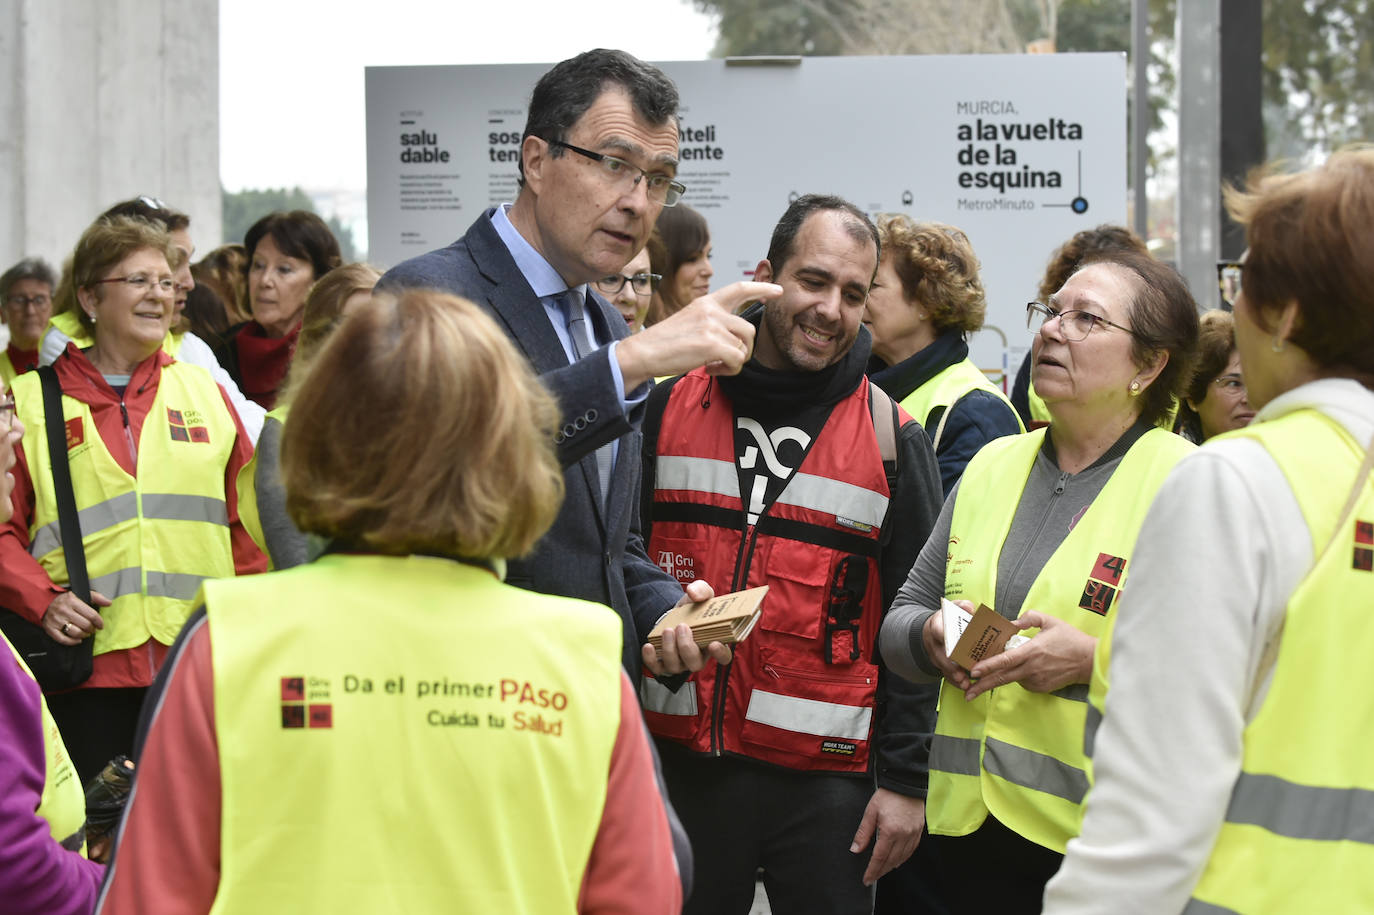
1051	504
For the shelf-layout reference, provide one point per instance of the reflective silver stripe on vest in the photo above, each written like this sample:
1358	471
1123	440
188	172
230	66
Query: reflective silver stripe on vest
1074	692
117	584
809	716
833	497
1303	811
655	697
1198	907
167	506
955	755
174	585
92	519
1037	771
697	474
1090	730
159	506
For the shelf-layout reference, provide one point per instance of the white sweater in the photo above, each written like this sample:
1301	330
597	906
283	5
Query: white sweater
1221	551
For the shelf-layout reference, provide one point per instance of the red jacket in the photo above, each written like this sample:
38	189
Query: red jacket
25	588
801	690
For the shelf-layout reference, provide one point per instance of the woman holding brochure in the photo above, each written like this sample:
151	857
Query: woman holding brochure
1254	580
1042	528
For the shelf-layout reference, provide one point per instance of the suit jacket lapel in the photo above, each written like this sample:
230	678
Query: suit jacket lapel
513	302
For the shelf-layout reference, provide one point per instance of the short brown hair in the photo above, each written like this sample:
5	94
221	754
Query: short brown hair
1083	246
225	270
105	243
1216	341
1163	319
299	233
938	269
322	313
420	429
1310	237
680	234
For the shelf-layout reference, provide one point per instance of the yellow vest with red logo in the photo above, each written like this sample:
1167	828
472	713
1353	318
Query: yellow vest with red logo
408	734
1297	835
1012	752
62	803
150	539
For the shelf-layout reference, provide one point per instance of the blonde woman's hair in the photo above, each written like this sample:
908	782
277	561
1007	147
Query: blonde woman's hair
420	429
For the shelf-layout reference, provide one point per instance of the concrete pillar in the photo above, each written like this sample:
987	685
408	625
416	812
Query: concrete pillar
1199	147
102	100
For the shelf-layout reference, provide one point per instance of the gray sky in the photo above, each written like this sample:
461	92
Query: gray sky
291	72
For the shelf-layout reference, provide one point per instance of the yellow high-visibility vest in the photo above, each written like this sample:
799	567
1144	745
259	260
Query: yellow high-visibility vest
62	803
945	390
1298	833
1012	752
151	539
407	735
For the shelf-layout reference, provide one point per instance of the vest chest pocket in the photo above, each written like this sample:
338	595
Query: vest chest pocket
798	577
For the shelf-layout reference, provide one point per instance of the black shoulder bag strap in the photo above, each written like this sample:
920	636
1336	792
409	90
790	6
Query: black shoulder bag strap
67	519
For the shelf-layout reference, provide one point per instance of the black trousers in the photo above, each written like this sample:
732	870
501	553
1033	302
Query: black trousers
992	869
97	725
797	826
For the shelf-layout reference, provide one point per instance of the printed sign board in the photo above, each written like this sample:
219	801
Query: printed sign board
1019	151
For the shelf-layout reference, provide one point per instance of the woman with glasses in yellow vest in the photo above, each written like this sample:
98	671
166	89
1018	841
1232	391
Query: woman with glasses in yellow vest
391	728
1042	529
925	301
43	868
1083	246
1232	767
154	447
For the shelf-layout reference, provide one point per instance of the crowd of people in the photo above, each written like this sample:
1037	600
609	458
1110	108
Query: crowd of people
357	571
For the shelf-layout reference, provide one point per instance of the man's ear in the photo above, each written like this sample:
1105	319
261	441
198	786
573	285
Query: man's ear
763	273
534	155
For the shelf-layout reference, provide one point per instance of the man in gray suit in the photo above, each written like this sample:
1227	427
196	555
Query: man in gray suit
598	160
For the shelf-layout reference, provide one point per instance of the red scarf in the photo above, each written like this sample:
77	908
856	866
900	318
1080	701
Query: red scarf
263	361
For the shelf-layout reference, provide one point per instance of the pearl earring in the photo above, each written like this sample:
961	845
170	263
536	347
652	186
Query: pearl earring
1135	388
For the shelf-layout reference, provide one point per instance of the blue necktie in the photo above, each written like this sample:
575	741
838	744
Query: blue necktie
583	344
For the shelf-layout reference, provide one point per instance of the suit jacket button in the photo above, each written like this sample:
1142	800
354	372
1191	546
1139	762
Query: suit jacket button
569	431
591	415
580	423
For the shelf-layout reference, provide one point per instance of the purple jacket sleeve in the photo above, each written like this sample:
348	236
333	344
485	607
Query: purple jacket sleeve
37	875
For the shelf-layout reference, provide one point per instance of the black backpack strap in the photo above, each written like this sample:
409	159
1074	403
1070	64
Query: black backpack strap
884	411
67	518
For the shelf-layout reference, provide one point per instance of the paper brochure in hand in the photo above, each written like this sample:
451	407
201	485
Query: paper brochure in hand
726	618
969	638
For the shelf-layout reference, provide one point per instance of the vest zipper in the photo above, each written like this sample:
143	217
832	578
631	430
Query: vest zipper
1044	519
128	433
720	690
